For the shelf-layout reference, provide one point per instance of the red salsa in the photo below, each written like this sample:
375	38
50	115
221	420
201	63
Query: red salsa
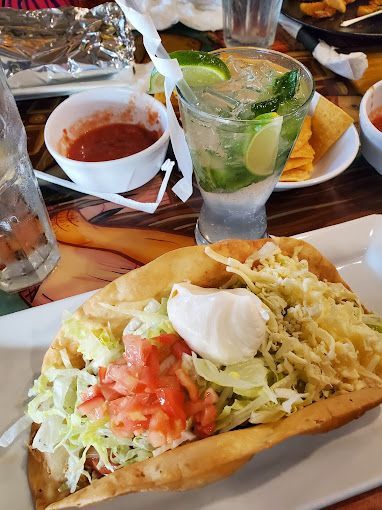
111	141
376	118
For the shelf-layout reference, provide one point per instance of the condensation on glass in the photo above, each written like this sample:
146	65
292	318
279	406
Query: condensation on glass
28	248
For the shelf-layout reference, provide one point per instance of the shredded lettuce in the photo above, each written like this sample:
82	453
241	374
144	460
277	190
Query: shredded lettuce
152	321
96	342
149	322
240	376
373	321
185	436
244	391
57	393
239	412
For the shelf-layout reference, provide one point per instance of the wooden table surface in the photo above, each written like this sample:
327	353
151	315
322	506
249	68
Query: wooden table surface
99	241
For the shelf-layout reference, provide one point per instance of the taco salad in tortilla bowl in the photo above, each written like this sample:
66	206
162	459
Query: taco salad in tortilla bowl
177	373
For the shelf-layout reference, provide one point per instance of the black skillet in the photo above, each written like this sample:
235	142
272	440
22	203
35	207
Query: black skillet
369	28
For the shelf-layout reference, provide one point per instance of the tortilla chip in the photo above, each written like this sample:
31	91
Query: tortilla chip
329	123
161	96
301	173
207	460
305	151
296	163
305	133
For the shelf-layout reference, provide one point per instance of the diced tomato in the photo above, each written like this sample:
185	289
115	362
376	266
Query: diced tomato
208	416
116	407
186	381
148	380
130	403
128	428
153	359
204	413
206	431
146	390
194	408
137	350
120	361
109	392
103	470
102	375
176	366
169	381
156	438
210	396
172	402
93	408
121	374
166	339
91	392
128	414
159	421
149	375
163	429
179	348
178	426
92	463
163	344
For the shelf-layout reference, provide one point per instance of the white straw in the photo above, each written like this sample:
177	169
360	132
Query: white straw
149	207
173	76
349	22
161	52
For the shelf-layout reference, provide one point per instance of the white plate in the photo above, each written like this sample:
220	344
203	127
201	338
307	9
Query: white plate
137	80
336	160
300	474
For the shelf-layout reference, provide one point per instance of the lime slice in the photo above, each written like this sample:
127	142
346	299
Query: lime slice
261	154
200	69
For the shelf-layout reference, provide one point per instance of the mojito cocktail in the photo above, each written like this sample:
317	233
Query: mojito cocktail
240	133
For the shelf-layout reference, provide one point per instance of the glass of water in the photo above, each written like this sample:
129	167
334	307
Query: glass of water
28	248
250	22
240	134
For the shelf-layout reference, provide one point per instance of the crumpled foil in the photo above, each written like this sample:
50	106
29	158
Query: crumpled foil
57	45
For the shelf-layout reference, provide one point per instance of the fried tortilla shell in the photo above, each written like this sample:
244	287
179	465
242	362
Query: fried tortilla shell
204	461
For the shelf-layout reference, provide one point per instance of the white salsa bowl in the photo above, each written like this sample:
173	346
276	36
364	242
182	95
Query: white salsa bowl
109	105
371	137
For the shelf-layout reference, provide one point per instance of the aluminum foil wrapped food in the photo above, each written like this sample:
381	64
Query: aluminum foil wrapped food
58	45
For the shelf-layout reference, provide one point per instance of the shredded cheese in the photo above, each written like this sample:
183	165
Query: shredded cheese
317	339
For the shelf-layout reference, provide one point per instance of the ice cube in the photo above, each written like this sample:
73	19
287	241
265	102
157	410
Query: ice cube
228	87
257	72
215	102
236	65
251	81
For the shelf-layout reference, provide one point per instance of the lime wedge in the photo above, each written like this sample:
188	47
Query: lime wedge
200	69
261	154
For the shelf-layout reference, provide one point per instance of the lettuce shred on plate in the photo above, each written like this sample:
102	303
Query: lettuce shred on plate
319	343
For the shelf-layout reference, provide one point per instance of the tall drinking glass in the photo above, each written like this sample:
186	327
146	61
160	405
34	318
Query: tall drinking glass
238	159
28	248
250	22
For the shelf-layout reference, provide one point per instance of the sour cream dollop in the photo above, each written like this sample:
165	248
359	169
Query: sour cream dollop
225	326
